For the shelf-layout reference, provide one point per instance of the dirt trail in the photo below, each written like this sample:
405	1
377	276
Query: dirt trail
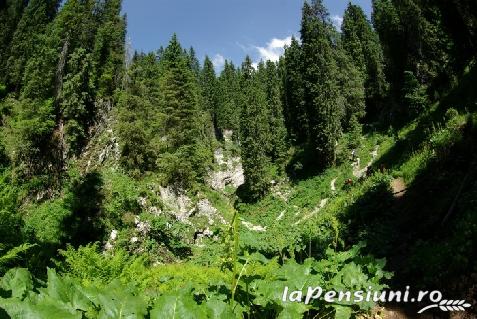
357	172
314	212
399	187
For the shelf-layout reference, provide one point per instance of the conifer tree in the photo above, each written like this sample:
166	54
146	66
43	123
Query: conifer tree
33	22
194	62
296	118
140	120
362	45
323	101
10	14
109	47
229	109
278	133
208	83
187	152
352	89
254	133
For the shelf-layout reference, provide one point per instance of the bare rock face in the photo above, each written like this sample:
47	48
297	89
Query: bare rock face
205	208
177	203
230	172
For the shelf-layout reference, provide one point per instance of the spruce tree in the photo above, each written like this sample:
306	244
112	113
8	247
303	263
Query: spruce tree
362	45
208	83
187	152
10	14
254	133
37	15
296	118
194	62
278	133
352	89
109	47
323	101
229	109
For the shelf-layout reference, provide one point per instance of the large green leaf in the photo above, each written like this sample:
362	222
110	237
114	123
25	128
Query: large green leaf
18	281
342	312
178	305
63	291
292	310
25	309
218	309
117	301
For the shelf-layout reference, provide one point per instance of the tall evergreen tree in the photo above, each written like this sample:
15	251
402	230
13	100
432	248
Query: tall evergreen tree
278	133
362	45
229	108
294	106
33	22
140	120
194	62
10	14
352	89
208	83
413	40
323	101
109	47
187	153
254	133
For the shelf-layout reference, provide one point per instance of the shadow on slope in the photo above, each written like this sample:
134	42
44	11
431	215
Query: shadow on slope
428	235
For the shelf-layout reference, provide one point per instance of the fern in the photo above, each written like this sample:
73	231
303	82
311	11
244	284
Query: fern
14	254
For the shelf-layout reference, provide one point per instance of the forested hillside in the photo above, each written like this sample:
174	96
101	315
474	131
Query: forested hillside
150	185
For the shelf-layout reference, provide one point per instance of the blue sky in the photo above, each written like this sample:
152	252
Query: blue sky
222	29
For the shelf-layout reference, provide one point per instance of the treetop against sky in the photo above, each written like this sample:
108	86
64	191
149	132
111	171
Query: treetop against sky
222	29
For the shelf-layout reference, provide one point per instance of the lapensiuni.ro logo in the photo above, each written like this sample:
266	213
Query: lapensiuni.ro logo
435	298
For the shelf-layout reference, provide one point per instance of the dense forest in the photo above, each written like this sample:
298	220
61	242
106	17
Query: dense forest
146	185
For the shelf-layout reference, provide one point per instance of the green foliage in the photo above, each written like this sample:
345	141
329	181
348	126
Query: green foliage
27	134
362	45
76	99
65	83
229	108
278	134
33	22
7	259
294	105
323	101
46	222
186	290
89	265
254	130
415	95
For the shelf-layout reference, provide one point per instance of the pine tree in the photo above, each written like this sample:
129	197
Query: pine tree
208	83
187	153
194	62
294	105
352	89
278	133
139	123
109	47
323	101
37	15
254	133
229	109
362	45
10	14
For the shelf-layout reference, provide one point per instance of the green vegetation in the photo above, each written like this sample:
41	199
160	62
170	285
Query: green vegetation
146	185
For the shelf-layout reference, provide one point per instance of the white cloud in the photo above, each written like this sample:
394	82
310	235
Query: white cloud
337	21
274	49
218	61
